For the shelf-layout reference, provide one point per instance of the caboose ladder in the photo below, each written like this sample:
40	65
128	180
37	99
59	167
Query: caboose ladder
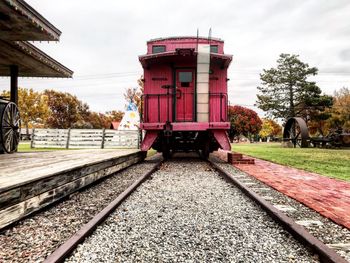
203	63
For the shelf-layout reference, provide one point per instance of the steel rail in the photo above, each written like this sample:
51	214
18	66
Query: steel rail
326	254
67	248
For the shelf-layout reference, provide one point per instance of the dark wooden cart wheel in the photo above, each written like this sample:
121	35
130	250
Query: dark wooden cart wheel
10	126
296	131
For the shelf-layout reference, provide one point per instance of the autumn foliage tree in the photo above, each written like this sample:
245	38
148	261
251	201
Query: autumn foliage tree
243	121
340	112
135	94
270	128
115	115
33	107
64	108
335	118
54	109
67	111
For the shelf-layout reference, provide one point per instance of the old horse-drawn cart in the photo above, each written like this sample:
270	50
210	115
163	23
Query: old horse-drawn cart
10	126
296	133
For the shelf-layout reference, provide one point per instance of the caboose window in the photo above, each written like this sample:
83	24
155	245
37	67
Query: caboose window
158	49
214	49
185	78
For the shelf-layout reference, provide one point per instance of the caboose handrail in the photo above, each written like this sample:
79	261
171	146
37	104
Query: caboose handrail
170	96
144	110
223	115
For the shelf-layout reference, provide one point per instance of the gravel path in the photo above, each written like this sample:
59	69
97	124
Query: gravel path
328	231
34	238
187	213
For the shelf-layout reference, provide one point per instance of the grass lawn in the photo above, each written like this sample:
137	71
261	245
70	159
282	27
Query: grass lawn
329	162
25	147
151	152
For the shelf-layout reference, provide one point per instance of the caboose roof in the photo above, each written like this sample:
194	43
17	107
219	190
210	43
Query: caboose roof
164	56
31	61
19	21
183	37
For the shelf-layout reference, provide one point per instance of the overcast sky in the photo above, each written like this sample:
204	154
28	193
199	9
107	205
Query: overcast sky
101	41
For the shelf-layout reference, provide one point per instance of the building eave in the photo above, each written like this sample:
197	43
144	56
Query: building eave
19	22
31	61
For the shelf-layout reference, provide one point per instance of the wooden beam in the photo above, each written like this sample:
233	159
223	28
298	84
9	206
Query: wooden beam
14	83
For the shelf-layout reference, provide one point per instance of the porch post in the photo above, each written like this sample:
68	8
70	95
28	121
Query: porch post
14	84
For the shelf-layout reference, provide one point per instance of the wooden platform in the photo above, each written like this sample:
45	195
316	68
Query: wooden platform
31	181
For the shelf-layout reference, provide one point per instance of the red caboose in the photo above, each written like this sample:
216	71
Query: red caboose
185	95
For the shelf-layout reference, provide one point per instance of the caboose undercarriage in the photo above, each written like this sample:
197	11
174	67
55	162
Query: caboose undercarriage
186	137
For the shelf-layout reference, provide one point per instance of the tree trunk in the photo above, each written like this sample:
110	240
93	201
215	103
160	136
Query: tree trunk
27	130
291	102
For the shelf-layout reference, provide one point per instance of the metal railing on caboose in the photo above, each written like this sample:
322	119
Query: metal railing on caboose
163	107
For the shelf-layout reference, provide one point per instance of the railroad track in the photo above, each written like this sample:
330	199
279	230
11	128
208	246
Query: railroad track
188	212
34	238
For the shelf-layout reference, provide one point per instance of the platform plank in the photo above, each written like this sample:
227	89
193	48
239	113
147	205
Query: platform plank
31	181
19	168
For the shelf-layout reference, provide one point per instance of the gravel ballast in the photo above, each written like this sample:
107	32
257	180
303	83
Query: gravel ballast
187	213
34	238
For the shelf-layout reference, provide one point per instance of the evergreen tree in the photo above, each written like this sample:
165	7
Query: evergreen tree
285	91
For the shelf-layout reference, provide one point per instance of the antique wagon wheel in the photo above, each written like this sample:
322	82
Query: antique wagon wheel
296	132
10	126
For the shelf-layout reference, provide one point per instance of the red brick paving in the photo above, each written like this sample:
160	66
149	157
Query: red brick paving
330	197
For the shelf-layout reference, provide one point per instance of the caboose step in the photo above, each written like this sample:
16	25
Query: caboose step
237	158
234	157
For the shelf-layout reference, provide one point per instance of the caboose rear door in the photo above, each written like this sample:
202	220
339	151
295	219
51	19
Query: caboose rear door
184	99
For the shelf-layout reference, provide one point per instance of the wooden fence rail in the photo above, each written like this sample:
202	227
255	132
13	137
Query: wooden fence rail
84	138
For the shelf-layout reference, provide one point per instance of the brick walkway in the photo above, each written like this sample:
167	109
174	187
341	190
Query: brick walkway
330	197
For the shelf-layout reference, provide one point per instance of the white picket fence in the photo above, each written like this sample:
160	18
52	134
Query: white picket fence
84	138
